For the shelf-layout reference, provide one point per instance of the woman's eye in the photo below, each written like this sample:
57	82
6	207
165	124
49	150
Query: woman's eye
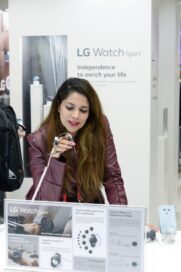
69	108
83	111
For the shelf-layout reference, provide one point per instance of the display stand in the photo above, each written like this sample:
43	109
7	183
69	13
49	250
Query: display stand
36	98
46	109
74	237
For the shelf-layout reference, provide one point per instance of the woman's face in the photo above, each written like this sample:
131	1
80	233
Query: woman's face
74	111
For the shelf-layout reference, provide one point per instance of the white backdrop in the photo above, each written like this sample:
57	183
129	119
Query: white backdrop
121	30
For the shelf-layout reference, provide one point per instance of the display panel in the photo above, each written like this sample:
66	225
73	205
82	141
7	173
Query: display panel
74	237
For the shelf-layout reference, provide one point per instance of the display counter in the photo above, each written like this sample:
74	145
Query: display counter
158	257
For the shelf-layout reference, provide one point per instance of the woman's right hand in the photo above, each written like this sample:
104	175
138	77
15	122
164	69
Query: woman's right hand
62	145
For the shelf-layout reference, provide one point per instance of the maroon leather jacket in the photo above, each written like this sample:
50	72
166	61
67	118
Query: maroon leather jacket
51	188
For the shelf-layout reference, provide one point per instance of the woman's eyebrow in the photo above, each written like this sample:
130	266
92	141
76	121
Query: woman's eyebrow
86	107
72	104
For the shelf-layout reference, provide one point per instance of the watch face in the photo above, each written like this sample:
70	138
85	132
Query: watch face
17	254
55	260
93	240
46	225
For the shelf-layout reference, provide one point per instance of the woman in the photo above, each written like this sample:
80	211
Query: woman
83	156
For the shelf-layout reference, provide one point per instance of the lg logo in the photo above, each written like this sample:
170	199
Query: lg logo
85	52
13	209
5	84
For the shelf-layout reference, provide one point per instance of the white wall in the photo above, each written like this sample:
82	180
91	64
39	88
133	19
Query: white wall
154	192
165	98
106	24
169	93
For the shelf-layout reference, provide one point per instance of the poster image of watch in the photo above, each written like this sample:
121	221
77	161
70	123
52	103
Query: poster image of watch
55	260
88	240
23	251
56	253
40	220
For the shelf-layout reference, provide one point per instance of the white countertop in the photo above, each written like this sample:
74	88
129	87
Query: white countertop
163	258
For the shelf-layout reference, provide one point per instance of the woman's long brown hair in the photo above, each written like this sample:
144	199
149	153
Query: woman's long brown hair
90	140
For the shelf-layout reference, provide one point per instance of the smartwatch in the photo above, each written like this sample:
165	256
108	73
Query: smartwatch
16	255
55	260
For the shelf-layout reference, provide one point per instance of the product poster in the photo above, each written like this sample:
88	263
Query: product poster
74	237
124	239
90	242
109	45
44	69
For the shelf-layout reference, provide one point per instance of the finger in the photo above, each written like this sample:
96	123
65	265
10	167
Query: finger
63	148
65	145
66	142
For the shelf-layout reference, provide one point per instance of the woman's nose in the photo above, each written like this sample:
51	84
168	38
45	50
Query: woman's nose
75	114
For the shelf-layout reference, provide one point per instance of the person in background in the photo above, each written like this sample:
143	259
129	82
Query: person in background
2	197
83	154
21	129
21	133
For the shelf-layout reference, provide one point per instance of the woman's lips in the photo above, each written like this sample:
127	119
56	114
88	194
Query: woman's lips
73	124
